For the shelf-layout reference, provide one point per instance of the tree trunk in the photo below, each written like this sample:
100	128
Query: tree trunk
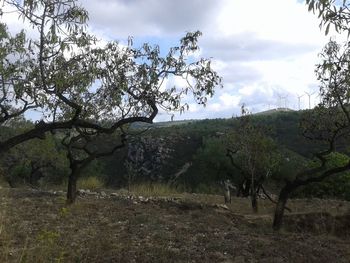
72	186
246	189
254	200
253	197
33	171
280	206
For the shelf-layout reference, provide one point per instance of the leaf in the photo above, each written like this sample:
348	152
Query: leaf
311	5
327	29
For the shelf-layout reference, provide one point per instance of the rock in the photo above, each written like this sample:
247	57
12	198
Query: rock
113	194
222	206
103	194
81	192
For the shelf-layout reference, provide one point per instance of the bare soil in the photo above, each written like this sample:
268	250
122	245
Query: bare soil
37	226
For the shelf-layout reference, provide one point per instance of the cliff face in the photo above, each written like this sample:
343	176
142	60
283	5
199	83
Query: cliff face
146	157
160	158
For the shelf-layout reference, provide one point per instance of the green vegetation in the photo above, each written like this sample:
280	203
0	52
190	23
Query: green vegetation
202	144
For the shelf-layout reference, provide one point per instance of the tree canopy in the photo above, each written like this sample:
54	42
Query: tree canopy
72	79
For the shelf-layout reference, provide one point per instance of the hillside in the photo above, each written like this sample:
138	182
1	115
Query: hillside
192	147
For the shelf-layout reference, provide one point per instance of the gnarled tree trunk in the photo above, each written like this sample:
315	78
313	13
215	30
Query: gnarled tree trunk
72	184
253	196
254	200
280	206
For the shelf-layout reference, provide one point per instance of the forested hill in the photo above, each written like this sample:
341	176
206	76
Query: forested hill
282	126
188	153
194	147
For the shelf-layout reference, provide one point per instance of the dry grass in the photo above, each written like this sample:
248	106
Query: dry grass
92	183
153	189
38	227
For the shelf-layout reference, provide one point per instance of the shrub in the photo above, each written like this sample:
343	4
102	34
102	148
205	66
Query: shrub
92	183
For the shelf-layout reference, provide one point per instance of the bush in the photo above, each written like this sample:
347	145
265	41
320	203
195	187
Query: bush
337	187
92	183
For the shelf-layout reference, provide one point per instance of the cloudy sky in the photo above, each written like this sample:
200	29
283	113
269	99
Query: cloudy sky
264	50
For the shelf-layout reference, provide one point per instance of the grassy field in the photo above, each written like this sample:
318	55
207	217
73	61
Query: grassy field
38	227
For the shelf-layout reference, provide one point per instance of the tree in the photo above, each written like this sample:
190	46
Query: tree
253	154
62	73
328	124
83	148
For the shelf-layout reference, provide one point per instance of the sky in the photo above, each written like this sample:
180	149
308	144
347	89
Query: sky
265	51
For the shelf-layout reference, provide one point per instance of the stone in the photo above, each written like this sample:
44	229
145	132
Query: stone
81	192
222	206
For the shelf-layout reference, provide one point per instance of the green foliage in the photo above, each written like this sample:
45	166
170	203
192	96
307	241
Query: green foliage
333	187
210	165
251	150
290	164
34	162
331	12
213	154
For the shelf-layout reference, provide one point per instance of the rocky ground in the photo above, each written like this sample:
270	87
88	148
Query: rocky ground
108	226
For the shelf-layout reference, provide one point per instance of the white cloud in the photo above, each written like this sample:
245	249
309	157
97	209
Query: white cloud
122	18
229	100
285	20
263	49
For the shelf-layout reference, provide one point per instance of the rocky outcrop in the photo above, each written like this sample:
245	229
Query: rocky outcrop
147	156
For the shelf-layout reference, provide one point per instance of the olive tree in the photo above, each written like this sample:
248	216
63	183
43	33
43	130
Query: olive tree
329	122
74	81
253	154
